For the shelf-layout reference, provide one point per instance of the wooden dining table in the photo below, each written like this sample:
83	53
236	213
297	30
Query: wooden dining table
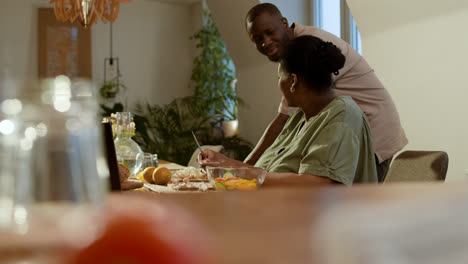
280	224
271	225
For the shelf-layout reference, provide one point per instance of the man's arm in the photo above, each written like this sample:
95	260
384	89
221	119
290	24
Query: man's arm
269	136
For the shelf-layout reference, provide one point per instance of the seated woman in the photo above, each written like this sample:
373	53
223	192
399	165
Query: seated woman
328	140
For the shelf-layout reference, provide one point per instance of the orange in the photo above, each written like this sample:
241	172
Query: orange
162	175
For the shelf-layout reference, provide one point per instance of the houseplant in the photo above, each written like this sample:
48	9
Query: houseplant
166	129
109	89
213	73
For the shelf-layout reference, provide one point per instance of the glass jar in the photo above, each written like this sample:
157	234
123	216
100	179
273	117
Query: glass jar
147	160
155	160
127	150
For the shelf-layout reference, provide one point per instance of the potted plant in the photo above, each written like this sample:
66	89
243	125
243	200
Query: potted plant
230	128
213	75
109	89
167	129
228	112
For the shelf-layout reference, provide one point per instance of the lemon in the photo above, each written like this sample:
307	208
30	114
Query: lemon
140	176
148	174
162	175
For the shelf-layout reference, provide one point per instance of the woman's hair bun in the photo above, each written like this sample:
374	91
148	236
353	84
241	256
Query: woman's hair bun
331	57
313	59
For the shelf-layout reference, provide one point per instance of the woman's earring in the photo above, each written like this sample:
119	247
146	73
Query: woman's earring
294	82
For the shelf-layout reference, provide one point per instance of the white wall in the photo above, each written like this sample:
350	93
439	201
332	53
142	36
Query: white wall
419	49
257	77
294	10
18	43
151	40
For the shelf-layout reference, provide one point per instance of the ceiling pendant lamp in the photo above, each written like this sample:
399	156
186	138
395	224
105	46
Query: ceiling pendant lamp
87	12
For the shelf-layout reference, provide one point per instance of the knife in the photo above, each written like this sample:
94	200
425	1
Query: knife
198	144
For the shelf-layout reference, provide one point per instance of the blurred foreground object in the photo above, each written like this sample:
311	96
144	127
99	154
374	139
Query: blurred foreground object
427	228
140	231
124	229
50	150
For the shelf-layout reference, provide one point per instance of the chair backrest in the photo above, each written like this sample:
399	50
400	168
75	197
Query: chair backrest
418	166
194	159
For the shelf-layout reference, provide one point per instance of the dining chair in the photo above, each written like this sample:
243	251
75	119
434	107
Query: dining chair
194	159
412	165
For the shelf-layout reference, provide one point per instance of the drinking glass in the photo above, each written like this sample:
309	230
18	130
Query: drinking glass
51	157
50	150
148	160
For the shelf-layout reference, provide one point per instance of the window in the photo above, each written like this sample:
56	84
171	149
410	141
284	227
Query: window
327	16
354	35
334	16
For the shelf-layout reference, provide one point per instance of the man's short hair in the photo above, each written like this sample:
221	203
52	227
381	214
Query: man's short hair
259	9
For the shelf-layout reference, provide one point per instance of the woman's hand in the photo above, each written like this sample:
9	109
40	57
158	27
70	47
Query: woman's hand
215	159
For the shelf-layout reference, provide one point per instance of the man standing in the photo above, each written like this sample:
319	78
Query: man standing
270	31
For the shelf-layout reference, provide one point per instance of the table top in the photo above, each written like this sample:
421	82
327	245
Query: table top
277	224
285	224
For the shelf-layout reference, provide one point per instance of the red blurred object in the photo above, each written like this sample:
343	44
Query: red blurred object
139	231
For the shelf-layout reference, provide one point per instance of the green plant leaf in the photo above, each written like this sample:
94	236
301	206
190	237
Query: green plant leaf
212	73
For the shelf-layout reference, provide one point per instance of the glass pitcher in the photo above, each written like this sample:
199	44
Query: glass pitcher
127	150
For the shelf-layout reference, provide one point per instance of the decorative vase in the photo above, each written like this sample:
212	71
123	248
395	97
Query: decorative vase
230	128
126	149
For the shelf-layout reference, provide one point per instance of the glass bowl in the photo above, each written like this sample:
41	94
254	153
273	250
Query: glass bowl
236	178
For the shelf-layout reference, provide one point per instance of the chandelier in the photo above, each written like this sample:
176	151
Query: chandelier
87	12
